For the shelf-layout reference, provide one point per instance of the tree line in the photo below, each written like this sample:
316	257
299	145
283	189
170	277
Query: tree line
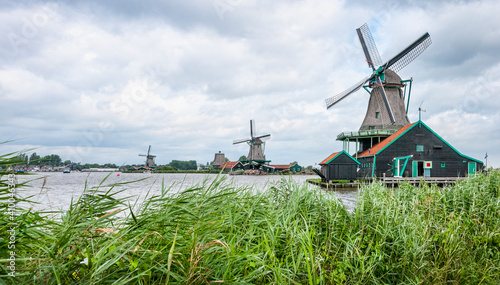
56	161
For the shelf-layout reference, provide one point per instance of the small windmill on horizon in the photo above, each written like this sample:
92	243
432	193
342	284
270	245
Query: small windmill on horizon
256	155
150	162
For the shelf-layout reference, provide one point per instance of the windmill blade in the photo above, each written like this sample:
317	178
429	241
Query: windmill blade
241	141
386	101
142	155
407	55
369	47
335	99
263	137
252	128
149	149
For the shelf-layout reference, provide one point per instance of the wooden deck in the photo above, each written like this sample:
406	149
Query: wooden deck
388	182
352	186
416	181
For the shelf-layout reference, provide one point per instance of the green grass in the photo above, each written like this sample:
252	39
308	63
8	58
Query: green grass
290	234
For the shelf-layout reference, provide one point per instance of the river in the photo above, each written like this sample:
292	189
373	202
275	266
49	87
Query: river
59	188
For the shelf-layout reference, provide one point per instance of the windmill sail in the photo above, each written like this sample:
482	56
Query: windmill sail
335	99
369	47
407	55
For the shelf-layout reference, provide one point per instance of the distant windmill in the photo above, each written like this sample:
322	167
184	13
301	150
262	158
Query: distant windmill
150	162
386	108
257	144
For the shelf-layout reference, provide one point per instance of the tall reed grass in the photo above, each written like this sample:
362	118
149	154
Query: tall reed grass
291	234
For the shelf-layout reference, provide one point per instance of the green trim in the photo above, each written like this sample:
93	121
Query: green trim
374	162
468	157
343	151
415	168
409	93
366	88
396	164
404	166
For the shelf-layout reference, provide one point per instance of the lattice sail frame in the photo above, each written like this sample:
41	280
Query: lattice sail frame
369	46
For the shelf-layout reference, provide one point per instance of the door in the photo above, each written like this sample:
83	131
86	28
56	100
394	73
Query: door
415	168
472	168
420	169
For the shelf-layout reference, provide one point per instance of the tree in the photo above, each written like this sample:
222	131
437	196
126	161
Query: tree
166	168
34	159
110	165
184	165
22	158
242	158
52	159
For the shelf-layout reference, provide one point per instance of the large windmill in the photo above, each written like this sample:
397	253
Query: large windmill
150	159
257	145
386	112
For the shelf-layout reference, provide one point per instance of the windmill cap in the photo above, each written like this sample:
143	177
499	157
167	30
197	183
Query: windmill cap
392	77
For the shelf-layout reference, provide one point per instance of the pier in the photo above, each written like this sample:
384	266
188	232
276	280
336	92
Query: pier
390	182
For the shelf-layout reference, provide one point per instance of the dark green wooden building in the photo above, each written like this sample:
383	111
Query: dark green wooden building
339	166
415	150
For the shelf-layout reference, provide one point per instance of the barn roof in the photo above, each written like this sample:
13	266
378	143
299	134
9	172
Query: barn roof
284	166
387	141
328	159
228	164
334	155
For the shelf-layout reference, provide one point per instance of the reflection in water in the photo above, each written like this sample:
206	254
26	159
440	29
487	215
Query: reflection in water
54	191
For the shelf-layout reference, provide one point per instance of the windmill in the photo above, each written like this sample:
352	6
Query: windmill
150	162
256	154
386	112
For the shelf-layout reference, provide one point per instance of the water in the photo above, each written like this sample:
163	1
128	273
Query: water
59	188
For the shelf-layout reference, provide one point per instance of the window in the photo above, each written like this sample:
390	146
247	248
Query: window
443	164
372	127
420	148
376	115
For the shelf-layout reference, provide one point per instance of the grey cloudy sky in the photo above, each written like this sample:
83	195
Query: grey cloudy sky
99	81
